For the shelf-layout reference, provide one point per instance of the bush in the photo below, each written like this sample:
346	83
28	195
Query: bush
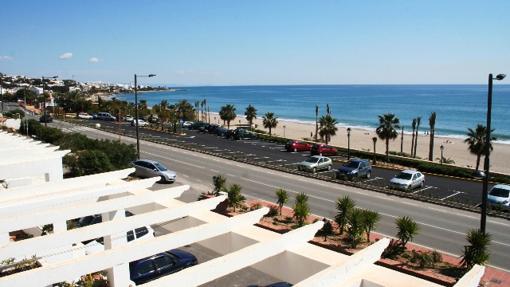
88	162
422	259
273	211
436	257
14	114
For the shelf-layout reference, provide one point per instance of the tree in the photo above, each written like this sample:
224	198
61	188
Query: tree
387	129
407	229
476	252
251	114
219	184
418	121
344	206
316	121
282	198
163	112
371	218
143	109
432	125
269	121
87	162
235	198
185	111
476	142
326	230
328	127
203	105
356	226
27	94
228	113
301	208
413	126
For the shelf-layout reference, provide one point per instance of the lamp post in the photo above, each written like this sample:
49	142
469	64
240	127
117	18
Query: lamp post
348	143
284	130
44	99
136	112
442	149
483	219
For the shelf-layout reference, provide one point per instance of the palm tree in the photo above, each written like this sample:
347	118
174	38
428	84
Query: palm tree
418	121
269	121
228	113
371	218
301	208
413	126
387	129
197	109
356	226
476	142
316	121
476	252
251	114
235	198
328	127
432	125
407	229
344	207
283	197
219	184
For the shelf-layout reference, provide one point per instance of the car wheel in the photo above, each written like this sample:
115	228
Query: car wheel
329	167
314	170
422	184
368	174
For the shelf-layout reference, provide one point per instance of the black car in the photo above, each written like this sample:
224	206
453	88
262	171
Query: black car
150	268
46	119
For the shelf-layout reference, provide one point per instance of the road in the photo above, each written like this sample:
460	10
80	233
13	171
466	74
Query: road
440	227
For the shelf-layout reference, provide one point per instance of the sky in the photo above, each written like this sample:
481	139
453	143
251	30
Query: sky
234	42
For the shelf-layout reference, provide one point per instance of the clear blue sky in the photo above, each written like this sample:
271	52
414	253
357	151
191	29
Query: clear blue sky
258	42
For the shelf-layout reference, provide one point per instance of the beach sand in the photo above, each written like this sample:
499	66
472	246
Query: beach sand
361	139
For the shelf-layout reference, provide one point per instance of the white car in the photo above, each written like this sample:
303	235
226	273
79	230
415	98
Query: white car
499	195
128	118
84	116
316	163
141	123
407	180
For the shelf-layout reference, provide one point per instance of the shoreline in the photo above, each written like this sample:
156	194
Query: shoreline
361	139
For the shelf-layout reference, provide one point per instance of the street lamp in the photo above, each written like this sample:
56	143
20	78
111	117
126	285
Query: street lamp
483	219
442	149
348	143
284	130
136	112
44	99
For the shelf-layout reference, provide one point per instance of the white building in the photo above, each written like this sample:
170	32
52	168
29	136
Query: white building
288	257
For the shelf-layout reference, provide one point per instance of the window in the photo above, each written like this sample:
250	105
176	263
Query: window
141	231
130	236
144	267
164	262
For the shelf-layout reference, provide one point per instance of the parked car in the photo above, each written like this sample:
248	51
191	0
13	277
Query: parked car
407	180
499	195
242	133
141	123
84	116
322	149
153	267
222	132
187	124
104	116
279	284
46	118
154	119
355	168
149	168
129	118
212	128
316	163
295	146
197	125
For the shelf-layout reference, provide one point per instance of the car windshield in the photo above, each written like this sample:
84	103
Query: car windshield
352	164
499	192
312	160
404	175
160	166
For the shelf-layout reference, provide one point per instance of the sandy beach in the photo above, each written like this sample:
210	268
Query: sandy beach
361	139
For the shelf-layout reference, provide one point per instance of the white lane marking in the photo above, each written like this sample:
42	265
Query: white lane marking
173	159
214	170
373	179
425	188
452	195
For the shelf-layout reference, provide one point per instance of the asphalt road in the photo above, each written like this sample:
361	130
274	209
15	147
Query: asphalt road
441	228
442	188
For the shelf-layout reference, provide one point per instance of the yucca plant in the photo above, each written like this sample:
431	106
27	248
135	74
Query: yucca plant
476	252
344	206
407	229
282	198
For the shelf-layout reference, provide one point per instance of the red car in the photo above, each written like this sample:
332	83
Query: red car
322	149
298	146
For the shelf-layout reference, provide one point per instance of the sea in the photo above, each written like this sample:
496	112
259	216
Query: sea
458	107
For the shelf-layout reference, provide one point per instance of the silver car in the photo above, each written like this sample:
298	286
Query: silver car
316	163
407	180
150	168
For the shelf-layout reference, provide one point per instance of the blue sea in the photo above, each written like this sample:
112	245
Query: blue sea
458	107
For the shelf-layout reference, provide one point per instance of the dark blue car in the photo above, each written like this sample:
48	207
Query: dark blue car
155	266
356	168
